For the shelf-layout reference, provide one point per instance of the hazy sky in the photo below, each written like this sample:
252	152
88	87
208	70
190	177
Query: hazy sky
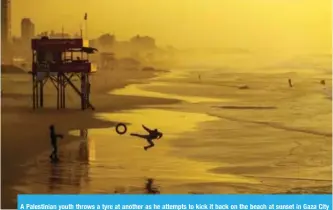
302	25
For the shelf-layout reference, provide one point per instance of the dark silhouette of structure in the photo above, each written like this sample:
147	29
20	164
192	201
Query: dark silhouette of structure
143	42
153	134
27	29
107	60
5	21
6	31
53	59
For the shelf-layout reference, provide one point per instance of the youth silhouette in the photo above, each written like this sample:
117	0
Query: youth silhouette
153	134
54	137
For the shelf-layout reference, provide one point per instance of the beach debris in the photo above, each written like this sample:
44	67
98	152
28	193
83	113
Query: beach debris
148	68
119	130
196	193
246	107
242	87
152	69
119	190
322	82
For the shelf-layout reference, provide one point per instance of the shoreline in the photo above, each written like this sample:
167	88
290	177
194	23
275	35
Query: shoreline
266	173
29	128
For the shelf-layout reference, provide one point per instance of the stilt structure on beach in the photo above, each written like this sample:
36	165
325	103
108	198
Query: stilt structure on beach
59	61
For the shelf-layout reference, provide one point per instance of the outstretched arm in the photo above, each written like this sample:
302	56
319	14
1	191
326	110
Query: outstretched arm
147	129
160	135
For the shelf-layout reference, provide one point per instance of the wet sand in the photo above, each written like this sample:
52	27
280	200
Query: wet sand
25	132
205	149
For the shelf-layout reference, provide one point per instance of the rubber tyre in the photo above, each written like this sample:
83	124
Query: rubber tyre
121	125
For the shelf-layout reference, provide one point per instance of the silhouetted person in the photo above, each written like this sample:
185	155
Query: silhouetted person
84	133
149	187
153	134
54	137
290	84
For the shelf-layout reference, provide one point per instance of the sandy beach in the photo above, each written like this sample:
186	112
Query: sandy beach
240	90
219	137
25	131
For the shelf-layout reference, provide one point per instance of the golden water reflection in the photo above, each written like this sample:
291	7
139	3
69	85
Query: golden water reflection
122	157
102	161
138	90
170	122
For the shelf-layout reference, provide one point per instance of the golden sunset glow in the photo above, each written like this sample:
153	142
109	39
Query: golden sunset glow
218	97
298	25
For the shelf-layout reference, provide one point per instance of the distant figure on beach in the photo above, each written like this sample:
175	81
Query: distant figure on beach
153	134
54	137
199	77
290	84
150	189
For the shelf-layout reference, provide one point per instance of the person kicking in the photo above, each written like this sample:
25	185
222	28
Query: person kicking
152	135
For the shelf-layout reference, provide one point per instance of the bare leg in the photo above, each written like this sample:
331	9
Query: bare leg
140	135
54	154
151	144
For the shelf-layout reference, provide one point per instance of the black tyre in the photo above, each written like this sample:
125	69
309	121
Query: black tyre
121	128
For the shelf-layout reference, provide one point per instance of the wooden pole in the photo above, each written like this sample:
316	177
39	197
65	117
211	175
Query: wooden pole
41	90
64	92
33	91
86	24
58	91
